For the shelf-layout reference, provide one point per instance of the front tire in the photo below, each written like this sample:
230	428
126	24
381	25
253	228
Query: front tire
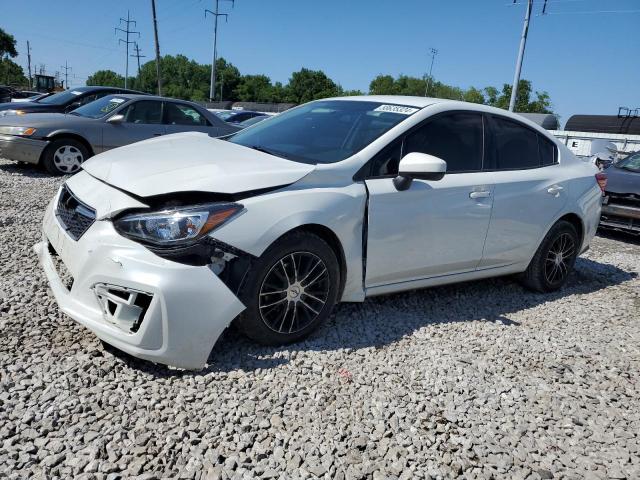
64	156
554	260
290	290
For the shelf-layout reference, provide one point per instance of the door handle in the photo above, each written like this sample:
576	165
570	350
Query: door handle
554	190
480	194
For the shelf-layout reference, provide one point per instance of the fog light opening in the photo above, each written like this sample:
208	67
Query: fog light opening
123	307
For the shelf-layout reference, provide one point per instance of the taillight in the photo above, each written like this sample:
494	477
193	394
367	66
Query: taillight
601	178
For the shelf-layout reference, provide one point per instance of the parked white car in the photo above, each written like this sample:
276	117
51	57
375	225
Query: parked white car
158	246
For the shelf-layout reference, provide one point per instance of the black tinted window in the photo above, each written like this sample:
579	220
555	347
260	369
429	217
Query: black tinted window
456	138
515	146
547	151
386	162
146	111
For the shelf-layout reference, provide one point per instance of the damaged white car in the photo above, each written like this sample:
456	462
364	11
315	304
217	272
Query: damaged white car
158	246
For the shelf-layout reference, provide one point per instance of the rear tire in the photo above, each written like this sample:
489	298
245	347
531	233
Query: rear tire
290	290
64	156
554	260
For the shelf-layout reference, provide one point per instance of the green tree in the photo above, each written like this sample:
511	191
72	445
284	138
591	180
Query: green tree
306	85
524	103
473	95
7	45
352	93
254	88
106	78
11	73
382	85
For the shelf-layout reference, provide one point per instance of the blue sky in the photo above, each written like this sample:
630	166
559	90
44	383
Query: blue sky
588	62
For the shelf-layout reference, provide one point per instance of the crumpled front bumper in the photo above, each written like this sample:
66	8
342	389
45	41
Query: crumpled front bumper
189	306
21	149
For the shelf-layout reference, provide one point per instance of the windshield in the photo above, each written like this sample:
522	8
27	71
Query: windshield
324	131
61	98
632	162
99	108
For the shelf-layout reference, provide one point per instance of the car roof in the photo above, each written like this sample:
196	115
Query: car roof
145	96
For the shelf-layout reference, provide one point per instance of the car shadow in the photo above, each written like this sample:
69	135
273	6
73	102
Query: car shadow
382	321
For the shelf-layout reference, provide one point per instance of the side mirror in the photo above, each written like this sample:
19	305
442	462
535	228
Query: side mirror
116	119
419	165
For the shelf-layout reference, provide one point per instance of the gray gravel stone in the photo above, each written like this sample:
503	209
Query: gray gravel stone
479	380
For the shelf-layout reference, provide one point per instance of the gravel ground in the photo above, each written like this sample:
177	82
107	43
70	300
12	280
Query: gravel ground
479	380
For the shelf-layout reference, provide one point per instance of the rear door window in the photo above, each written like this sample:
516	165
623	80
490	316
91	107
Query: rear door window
182	114
144	112
515	146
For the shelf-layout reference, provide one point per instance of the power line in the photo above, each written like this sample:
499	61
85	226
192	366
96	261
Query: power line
127	32
216	14
66	74
588	12
138	56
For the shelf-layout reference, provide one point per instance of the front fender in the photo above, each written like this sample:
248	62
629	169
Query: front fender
268	217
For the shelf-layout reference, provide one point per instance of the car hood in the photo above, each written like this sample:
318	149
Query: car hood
36	120
192	162
620	180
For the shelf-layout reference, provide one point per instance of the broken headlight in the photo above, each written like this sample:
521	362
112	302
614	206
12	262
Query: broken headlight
178	226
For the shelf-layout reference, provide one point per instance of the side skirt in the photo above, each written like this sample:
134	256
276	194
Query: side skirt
444	280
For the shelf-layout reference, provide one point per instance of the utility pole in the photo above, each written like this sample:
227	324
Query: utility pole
138	56
127	32
523	43
221	85
216	14
29	63
434	52
66	74
155	32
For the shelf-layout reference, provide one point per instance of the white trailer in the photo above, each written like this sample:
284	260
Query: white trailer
588	144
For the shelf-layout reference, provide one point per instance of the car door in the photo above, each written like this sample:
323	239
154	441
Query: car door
435	227
182	117
529	191
142	120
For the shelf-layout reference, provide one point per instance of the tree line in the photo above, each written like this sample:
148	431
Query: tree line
189	80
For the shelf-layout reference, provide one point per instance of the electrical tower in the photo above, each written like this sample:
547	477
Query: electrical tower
66	74
216	14
138	56
434	52
127	32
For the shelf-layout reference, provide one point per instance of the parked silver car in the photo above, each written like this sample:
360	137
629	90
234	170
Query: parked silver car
61	142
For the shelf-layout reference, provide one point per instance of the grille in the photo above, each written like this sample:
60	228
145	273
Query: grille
74	216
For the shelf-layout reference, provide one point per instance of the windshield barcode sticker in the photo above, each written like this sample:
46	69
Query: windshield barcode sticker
396	109
75	92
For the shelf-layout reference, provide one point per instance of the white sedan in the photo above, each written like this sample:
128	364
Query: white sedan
158	246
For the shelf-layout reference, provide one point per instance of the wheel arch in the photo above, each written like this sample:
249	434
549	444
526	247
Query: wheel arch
577	223
75	136
329	236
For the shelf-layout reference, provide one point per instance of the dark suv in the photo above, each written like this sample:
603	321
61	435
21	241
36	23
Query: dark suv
64	102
